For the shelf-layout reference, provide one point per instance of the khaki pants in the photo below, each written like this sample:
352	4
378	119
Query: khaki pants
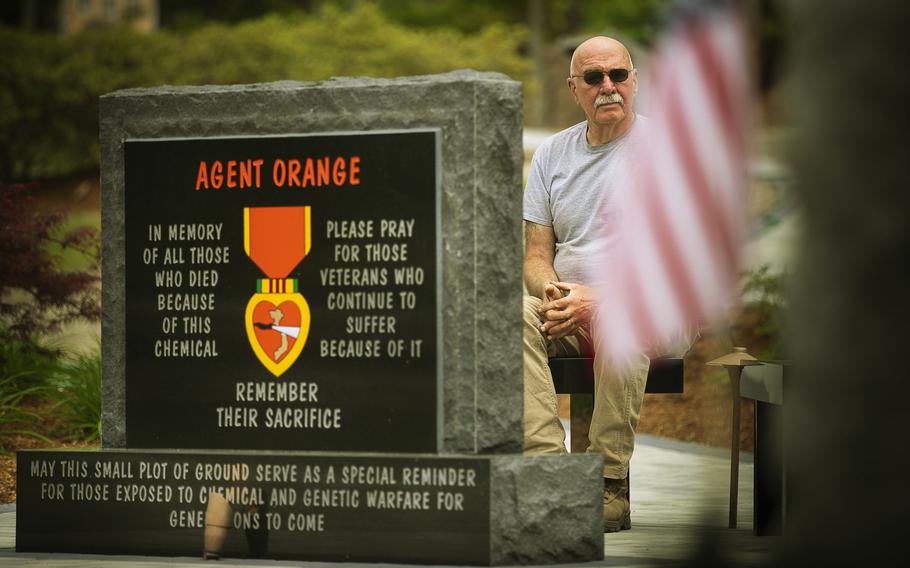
618	394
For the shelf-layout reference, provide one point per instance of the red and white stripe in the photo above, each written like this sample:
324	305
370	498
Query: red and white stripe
675	257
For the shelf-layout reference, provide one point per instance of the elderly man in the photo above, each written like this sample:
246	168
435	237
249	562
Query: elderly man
570	194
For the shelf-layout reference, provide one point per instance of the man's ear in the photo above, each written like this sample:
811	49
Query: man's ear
571	84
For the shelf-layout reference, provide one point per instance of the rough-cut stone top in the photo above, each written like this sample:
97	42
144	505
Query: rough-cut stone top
459	76
478	116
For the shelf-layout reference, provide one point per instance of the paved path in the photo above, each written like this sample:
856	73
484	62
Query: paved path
679	500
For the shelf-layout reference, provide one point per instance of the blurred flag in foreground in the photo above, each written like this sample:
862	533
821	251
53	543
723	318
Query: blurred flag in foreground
674	258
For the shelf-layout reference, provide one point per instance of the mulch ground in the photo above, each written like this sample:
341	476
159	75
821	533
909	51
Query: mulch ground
10	443
703	412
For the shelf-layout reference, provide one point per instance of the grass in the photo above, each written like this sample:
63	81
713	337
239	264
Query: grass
47	399
14	417
49	394
23	378
76	388
50	390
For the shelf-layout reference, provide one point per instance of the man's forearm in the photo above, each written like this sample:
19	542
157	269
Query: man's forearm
540	248
537	273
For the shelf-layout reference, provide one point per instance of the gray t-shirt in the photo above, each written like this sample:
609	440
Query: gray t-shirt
573	187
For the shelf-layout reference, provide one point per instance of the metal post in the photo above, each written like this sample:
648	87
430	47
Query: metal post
734	373
734	363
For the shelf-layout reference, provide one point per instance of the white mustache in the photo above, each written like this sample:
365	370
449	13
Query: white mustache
609	99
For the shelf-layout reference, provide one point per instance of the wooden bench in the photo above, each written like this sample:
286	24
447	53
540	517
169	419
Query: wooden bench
575	375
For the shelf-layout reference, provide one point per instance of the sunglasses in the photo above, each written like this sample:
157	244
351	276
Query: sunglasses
596	77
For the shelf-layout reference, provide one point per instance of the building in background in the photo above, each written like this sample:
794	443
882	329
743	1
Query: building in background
73	16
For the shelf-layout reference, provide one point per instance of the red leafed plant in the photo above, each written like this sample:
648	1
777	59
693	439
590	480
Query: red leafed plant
36	294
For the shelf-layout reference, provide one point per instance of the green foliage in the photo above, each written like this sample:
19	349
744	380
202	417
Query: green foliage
47	391
37	295
26	364
764	296
24	374
76	387
360	42
49	85
49	88
68	258
187	14
14	418
637	20
454	14
633	19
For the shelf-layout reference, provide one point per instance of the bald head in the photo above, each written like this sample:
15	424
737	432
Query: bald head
603	83
595	45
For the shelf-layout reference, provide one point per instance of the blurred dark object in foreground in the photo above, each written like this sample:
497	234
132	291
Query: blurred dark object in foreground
846	418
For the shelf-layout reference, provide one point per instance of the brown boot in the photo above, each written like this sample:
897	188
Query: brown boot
616	505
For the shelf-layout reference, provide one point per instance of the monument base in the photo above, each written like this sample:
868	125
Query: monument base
459	509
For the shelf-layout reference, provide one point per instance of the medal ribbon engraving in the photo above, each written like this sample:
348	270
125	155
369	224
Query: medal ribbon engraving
277	317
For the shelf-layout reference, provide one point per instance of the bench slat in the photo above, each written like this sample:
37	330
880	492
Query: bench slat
575	375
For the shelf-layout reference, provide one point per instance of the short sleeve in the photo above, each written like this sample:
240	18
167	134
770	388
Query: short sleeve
537	191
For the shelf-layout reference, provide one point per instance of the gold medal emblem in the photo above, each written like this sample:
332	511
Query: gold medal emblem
277	317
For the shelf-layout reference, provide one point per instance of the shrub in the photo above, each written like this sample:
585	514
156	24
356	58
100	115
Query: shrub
49	88
35	295
24	374
46	391
49	85
762	315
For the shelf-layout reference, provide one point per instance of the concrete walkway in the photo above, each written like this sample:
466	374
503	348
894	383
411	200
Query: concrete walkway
679	503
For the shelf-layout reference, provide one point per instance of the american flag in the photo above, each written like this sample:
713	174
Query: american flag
674	259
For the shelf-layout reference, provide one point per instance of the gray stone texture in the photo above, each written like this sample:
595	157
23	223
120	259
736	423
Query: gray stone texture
479	115
546	509
541	510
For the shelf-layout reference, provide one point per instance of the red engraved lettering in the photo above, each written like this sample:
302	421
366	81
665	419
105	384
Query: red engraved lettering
246	173
279	173
322	171
257	164
294	173
339	175
216	176
232	173
309	175
202	177
355	170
